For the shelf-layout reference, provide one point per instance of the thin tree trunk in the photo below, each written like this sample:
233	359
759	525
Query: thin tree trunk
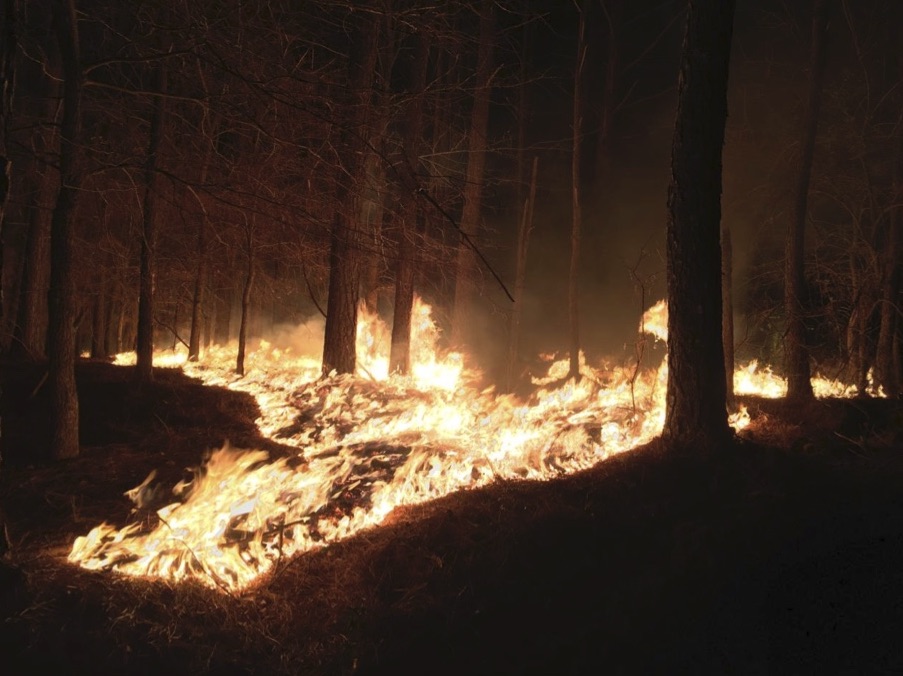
61	304
891	301
520	280
473	188
727	311
400	351
98	325
576	215
796	353
8	39
246	302
148	266
200	277
696	407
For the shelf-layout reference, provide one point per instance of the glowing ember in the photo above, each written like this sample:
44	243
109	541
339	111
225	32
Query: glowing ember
369	443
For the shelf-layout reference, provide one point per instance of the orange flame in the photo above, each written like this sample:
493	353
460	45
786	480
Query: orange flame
371	443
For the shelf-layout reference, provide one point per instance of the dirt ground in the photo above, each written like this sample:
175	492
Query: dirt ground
781	554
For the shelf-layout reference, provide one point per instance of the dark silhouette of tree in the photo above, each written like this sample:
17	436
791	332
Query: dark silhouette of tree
576	199
61	306
796	354
696	414
8	40
339	348
476	162
148	264
400	351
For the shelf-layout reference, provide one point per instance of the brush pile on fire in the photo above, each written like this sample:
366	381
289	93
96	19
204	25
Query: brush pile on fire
367	444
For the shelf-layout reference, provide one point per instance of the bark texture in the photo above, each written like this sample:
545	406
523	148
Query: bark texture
61	297
696	413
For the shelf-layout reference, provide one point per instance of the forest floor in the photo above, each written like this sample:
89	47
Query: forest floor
781	554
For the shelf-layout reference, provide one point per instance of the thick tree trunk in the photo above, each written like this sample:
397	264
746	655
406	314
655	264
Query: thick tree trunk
148	266
339	340
576	214
400	352
796	353
473	188
727	311
61	301
696	413
520	281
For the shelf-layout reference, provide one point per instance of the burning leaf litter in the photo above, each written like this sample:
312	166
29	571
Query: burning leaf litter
369	443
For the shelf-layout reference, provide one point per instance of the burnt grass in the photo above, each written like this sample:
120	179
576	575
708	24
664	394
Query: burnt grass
780	554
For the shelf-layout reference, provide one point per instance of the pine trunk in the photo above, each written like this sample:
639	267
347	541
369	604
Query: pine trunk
796	353
148	265
696	413
61	297
576	214
246	303
473	187
727	311
339	341
400	352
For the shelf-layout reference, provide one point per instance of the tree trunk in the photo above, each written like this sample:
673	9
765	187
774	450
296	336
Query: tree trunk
473	188
61	297
727	311
576	215
148	266
520	281
796	353
8	38
339	340
400	352
99	324
200	277
246	302
891	297
696	413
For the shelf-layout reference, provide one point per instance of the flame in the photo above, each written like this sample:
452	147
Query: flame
369	443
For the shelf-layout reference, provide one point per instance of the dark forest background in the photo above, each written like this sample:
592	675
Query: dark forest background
262	129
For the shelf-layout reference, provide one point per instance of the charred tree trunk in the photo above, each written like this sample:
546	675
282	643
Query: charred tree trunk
576	214
727	311
400	352
246	302
61	297
520	280
99	325
796	353
148	266
197	297
473	187
339	341
696	413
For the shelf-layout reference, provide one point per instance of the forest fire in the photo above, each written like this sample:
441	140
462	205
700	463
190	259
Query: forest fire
371	443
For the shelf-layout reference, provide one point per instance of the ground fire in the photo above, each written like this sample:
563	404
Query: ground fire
370	443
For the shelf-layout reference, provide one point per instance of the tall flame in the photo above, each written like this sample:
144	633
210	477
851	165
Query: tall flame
369	443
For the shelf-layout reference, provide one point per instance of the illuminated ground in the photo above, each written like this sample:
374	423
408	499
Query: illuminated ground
782	555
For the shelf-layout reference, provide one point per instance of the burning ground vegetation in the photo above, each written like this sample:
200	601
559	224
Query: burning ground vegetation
201	569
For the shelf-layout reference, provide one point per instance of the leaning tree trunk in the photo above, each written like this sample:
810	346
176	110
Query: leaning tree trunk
340	336
796	353
200	276
576	215
400	352
473	187
696	414
61	297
